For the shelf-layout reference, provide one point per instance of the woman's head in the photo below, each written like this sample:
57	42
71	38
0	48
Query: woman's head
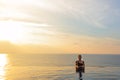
79	57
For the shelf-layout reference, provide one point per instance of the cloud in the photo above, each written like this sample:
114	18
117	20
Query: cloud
87	44
92	12
54	12
7	47
65	43
54	24
80	43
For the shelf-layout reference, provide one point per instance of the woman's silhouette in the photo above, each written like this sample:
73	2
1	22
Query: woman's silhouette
80	66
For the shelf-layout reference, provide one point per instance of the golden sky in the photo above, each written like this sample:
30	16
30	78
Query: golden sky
43	26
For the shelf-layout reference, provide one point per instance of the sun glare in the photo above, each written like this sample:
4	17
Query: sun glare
11	31
3	60
3	64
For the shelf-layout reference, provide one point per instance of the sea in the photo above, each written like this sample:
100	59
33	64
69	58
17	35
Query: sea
14	66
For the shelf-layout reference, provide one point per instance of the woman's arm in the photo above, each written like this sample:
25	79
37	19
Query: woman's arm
83	66
76	64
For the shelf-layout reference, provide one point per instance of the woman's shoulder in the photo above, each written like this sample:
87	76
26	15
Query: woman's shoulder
82	61
77	61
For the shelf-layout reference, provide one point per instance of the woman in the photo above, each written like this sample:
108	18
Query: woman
80	66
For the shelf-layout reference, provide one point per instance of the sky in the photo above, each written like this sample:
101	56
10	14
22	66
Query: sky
60	26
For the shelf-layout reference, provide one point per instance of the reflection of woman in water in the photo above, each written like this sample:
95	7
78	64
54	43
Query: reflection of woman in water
80	66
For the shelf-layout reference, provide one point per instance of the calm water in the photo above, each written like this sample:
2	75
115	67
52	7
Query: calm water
57	67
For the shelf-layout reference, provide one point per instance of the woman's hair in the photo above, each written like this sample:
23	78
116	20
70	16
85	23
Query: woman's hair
79	55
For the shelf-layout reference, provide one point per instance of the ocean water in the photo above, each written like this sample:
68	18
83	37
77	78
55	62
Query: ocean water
58	67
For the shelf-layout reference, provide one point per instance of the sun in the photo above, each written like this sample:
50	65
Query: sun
12	31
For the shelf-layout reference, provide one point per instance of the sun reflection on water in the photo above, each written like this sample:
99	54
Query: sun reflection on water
3	64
